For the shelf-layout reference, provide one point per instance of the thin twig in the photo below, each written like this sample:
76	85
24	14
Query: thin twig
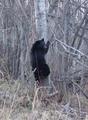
80	88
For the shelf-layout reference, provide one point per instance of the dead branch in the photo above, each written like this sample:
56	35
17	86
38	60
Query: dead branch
80	89
78	29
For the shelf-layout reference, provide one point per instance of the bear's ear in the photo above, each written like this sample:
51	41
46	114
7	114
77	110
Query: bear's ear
42	39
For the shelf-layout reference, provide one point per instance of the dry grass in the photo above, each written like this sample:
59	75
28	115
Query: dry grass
17	102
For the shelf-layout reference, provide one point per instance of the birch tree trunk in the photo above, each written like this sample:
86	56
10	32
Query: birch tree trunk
40	15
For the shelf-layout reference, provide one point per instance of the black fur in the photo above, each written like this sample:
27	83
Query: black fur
38	62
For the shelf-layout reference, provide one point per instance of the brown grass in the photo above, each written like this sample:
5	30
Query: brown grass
18	102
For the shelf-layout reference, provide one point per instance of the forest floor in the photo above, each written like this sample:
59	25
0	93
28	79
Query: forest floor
17	103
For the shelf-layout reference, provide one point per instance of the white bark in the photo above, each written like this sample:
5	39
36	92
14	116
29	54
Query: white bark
40	15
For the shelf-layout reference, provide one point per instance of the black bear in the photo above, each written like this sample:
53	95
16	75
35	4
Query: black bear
38	62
